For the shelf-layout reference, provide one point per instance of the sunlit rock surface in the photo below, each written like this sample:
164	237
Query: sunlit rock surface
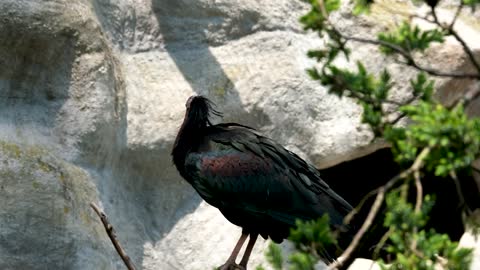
96	90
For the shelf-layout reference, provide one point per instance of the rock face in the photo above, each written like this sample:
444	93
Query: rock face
92	94
45	215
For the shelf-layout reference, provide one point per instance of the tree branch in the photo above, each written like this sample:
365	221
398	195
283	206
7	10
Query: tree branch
365	226
398	118
368	99
381	243
468	97
419	187
111	234
462	42
418	205
416	166
410	60
457	13
348	218
458	187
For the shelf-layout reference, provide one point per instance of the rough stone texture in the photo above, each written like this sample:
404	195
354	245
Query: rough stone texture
62	111
46	220
100	87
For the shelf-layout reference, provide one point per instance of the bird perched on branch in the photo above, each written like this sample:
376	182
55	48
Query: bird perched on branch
255	182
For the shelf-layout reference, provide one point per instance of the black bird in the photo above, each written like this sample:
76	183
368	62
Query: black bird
255	182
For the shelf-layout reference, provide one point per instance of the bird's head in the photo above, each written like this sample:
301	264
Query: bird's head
199	111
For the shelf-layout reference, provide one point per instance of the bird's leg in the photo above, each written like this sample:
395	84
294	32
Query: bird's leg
230	263
248	250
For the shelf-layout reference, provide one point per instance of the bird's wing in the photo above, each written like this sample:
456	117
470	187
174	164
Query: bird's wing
238	168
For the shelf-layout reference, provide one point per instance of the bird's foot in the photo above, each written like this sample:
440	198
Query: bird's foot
231	266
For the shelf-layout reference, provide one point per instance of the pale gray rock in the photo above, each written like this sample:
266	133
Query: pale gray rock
100	87
61	111
46	222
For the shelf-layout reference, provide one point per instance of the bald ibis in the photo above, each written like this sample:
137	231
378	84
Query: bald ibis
255	182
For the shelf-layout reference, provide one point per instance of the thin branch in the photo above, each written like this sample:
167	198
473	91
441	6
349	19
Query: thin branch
453	175
467	50
321	4
457	13
398	118
366	98
410	60
111	234
419	187
418	205
348	218
365	226
423	18
465	47
402	115
471	95
435	17
381	243
392	182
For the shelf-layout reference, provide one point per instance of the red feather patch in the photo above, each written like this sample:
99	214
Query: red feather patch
236	165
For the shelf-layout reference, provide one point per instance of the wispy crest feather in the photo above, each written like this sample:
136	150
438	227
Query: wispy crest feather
202	109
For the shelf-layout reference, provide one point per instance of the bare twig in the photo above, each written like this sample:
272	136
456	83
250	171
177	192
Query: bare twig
467	50
321	4
462	42
423	18
419	160
457	13
348	218
111	234
402	115
381	243
410	60
418	205
454	177
365	226
468	97
419	187
398	118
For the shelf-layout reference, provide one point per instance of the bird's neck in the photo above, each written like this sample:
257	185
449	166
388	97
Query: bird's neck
188	139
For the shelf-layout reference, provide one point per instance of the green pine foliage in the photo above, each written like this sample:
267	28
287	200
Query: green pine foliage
311	238
453	138
274	256
448	140
415	248
410	38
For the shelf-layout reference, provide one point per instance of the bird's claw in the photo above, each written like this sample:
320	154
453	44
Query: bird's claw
232	266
